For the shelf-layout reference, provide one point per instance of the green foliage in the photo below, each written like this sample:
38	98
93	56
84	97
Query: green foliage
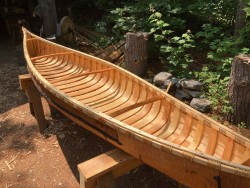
169	23
173	49
216	89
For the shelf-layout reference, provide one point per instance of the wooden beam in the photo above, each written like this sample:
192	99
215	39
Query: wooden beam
133	106
100	171
50	55
36	108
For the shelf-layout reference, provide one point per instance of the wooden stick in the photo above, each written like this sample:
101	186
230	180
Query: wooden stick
170	84
135	106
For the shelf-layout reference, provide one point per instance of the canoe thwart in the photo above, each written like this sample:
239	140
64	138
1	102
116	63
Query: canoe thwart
133	106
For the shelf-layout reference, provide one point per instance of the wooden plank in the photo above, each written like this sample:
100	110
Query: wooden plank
35	102
246	157
133	106
50	55
173	124
198	135
212	141
228	150
82	74
101	170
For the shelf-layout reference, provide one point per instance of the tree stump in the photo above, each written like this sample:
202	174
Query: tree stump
136	53
49	17
239	90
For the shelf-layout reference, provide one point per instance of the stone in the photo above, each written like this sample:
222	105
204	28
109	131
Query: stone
202	105
179	94
191	84
161	77
193	93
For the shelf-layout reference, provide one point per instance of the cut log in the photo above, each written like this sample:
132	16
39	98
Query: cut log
49	16
136	53
239	90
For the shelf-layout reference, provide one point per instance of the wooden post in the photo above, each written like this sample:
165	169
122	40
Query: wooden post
36	108
49	16
136	53
239	90
100	171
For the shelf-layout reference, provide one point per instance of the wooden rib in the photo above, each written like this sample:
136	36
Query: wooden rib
198	134
82	74
133	106
246	157
228	150
131	99
173	124
31	39
119	100
104	85
149	117
185	131
152	129
131	113
122	89
50	55
212	142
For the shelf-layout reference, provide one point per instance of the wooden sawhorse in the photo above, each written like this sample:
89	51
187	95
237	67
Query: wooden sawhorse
34	98
99	171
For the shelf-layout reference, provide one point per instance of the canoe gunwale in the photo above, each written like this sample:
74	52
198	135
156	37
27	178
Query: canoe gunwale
165	145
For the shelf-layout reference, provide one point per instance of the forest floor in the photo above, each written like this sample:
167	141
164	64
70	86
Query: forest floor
48	161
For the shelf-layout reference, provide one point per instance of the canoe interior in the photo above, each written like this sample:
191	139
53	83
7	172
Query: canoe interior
110	90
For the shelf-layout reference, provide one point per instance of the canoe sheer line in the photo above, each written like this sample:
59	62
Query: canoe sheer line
82	74
133	106
50	55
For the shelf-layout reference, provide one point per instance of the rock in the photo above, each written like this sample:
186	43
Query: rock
202	105
179	94
193	93
161	77
191	84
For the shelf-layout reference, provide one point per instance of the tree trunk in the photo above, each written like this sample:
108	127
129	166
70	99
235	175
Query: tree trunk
49	17
239	90
240	20
136	53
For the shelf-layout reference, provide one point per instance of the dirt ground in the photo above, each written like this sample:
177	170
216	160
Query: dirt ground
28	159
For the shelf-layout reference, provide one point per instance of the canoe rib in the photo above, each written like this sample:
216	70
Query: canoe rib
82	74
50	55
133	106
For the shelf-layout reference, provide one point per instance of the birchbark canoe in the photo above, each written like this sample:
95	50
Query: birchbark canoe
137	117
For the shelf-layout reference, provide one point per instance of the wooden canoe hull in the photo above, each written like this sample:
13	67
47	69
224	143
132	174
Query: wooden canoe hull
185	163
182	169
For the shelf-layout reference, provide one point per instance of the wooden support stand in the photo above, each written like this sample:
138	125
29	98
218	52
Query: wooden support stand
36	108
100	171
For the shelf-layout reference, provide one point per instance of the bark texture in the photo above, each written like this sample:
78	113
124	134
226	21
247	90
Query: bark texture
136	54
239	90
49	16
240	20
